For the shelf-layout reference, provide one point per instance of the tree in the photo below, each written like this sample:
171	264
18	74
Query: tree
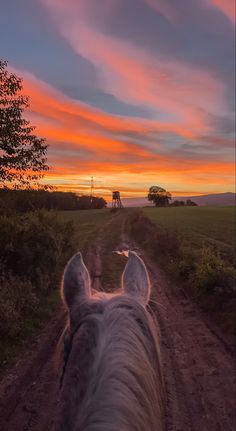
88	202
159	196
177	203
190	203
22	154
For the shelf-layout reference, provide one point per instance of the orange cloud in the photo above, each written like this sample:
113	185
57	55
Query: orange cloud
153	165
72	127
135	180
52	104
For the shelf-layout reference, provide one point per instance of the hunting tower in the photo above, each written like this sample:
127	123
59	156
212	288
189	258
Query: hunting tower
116	201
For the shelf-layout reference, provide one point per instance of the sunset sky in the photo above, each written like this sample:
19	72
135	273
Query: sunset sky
131	92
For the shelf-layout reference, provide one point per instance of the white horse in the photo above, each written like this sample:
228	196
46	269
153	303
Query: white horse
111	380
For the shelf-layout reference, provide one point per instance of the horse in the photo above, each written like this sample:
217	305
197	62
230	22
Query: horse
112	377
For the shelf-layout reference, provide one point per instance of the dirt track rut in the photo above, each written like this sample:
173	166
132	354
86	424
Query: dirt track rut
198	369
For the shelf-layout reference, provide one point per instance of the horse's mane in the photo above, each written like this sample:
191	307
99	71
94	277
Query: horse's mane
113	373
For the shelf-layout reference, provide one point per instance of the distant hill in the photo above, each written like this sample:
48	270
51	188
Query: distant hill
224	199
135	202
213	199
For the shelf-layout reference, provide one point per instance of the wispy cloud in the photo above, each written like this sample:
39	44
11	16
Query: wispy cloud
165	8
225	6
159	64
180	92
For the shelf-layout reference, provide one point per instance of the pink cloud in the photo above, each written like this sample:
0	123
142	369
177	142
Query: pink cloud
53	109
225	6
164	8
177	90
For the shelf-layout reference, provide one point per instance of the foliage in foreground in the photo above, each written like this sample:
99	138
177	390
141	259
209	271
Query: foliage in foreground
33	250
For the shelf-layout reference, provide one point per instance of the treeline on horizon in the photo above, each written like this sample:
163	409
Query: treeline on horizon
31	200
188	203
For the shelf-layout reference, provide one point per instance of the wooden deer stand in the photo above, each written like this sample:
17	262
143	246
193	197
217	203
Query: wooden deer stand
116	201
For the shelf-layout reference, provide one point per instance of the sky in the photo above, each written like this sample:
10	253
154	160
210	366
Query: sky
132	92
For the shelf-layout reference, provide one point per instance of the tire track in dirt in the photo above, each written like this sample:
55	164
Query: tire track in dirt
94	259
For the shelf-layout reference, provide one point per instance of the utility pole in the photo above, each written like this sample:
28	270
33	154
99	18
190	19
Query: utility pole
91	192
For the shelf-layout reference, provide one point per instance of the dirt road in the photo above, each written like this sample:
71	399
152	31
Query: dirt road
198	367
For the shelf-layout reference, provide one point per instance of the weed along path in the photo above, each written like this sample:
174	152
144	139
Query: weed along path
198	367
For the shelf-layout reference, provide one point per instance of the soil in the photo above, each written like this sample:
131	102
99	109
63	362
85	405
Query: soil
198	365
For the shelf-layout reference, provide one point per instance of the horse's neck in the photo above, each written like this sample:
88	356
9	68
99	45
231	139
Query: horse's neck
120	384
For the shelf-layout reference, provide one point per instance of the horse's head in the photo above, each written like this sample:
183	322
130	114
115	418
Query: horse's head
76	284
111	369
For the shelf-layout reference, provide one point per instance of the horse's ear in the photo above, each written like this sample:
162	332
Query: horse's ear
135	279
76	284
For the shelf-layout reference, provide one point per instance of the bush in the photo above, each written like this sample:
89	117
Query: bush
35	247
139	226
159	241
17	297
183	264
212	274
33	251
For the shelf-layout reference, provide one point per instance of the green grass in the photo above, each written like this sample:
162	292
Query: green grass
214	226
87	224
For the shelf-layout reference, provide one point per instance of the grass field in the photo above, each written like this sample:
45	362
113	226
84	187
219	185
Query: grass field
213	226
86	224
